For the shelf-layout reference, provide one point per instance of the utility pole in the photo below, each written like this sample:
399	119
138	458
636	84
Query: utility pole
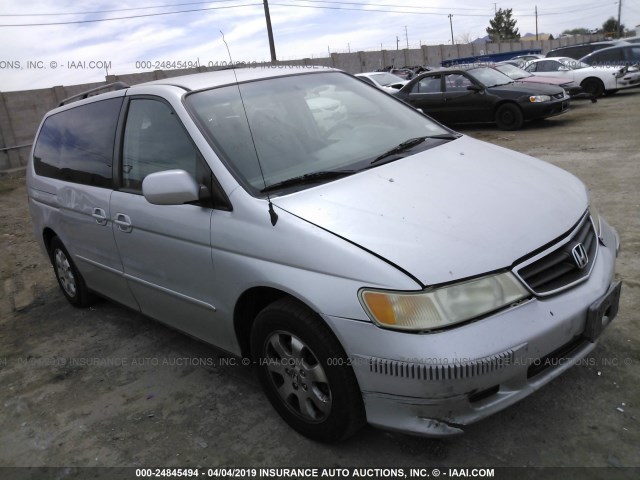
272	46
397	43
619	15
536	23
451	25
495	8
349	47
406	36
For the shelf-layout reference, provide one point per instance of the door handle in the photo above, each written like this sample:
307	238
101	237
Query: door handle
123	222
100	215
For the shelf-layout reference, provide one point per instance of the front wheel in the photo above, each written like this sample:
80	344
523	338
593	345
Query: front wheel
593	86
305	373
509	117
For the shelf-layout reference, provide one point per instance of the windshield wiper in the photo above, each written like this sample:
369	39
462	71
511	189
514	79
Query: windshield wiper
412	142
308	178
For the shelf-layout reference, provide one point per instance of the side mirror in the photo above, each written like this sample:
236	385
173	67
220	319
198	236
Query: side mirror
170	187
475	88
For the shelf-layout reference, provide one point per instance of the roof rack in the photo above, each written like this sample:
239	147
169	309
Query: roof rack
83	95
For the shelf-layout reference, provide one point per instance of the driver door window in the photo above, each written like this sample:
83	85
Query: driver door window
155	140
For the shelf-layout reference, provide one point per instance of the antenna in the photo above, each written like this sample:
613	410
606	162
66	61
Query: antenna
272	213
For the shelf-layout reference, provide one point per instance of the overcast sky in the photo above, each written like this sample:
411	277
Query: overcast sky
47	55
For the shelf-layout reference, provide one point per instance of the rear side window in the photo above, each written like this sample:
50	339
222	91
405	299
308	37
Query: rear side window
633	54
608	57
77	145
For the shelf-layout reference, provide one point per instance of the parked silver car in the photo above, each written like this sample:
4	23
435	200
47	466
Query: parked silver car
384	270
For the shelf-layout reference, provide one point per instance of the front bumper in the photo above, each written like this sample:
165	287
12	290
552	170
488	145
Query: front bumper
534	111
435	384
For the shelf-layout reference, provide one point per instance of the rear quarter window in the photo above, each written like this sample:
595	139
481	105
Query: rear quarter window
76	145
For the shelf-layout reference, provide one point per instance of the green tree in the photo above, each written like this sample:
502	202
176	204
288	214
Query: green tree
611	27
503	27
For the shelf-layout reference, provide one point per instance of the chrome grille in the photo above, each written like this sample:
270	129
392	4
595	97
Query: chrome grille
563	265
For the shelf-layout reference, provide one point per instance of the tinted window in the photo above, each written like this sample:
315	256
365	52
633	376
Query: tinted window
577	51
547	66
633	54
456	82
155	140
427	85
607	57
77	145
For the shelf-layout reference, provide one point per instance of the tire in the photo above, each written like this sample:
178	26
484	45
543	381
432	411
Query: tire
71	282
593	86
509	117
305	373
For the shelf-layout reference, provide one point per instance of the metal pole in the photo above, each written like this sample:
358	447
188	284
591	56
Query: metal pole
619	15
536	23
451	25
406	36
272	46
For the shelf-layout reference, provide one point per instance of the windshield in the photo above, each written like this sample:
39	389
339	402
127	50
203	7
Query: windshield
384	78
303	124
573	64
512	71
489	77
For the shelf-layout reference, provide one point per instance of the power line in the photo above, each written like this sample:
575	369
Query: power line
226	1
378	10
131	16
323	7
56	14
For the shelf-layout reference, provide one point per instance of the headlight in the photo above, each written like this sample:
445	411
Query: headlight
441	307
539	98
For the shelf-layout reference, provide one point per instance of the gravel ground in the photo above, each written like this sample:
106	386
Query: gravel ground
108	387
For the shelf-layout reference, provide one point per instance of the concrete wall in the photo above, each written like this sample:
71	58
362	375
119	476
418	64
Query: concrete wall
21	112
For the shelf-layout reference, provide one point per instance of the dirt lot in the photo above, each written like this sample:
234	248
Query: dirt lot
108	387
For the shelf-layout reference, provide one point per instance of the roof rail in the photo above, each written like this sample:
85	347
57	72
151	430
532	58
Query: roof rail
83	95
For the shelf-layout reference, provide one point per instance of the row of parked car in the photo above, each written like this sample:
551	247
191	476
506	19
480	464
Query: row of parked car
512	92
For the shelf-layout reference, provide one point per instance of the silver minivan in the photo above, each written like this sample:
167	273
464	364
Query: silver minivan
373	265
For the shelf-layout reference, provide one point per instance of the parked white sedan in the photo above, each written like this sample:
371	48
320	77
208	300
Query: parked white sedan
386	81
593	80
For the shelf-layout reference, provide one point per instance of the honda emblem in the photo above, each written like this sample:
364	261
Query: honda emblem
580	256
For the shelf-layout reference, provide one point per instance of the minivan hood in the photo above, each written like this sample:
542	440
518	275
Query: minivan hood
454	211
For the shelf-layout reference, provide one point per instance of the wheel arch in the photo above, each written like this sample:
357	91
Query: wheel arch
504	101
601	86
47	236
249	304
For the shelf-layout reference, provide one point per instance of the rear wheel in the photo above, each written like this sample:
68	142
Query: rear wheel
305	373
509	117
69	278
593	86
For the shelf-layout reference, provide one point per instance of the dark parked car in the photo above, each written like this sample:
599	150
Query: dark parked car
579	51
482	95
519	75
618	56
